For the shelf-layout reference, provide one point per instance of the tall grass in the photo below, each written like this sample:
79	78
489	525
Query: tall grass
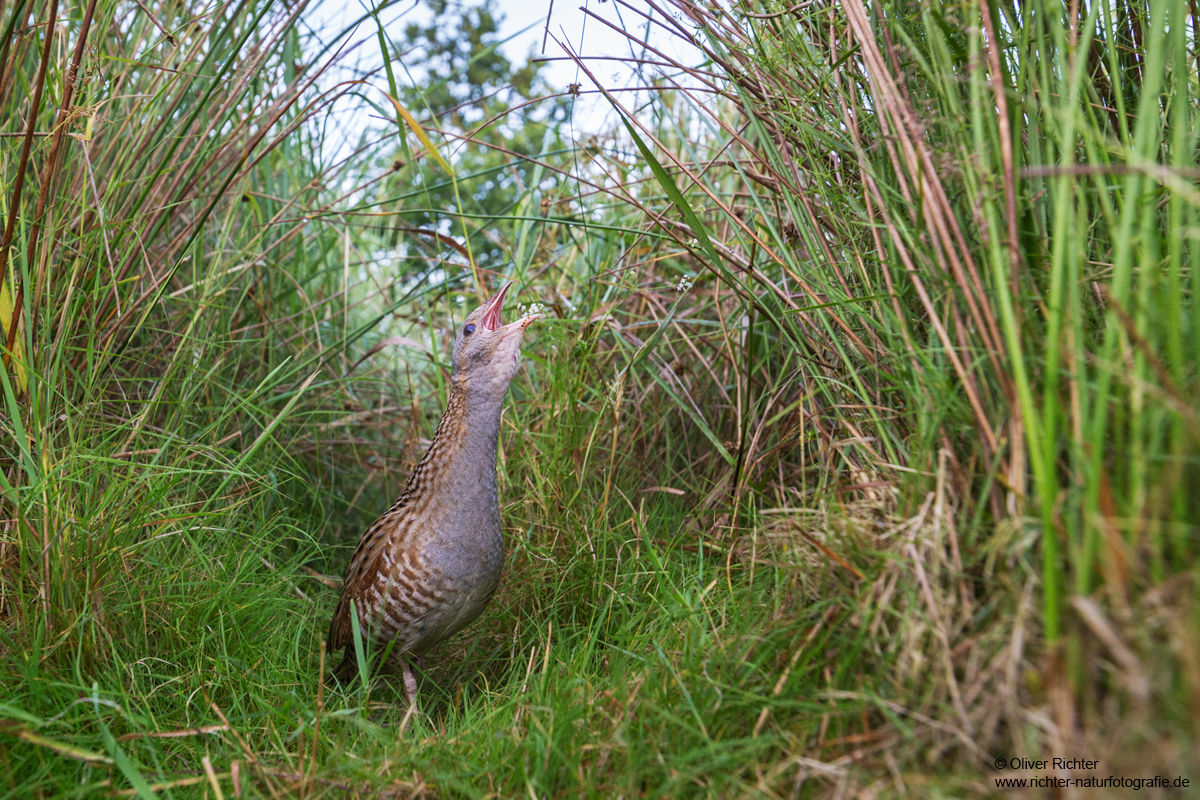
989	213
158	194
857	447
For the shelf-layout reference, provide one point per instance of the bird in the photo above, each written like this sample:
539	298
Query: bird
430	564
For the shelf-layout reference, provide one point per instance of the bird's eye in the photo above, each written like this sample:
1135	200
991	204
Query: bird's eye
468	330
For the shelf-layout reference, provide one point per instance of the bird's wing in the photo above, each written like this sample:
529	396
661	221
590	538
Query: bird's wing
361	573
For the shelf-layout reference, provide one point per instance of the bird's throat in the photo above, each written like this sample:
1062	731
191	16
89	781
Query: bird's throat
460	464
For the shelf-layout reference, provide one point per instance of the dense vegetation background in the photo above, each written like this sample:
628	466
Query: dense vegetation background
857	448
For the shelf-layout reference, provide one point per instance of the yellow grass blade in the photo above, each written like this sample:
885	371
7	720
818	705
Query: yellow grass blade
63	748
17	359
420	132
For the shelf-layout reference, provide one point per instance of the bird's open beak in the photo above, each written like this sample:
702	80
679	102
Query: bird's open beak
491	312
491	320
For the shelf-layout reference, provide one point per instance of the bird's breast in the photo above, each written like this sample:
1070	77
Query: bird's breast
468	548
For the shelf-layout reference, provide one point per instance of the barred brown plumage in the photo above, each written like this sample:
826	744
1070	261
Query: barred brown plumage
430	564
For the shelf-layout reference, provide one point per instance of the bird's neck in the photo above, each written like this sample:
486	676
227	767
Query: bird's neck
461	461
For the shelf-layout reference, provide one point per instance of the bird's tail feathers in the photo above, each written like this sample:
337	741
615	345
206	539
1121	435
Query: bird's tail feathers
346	671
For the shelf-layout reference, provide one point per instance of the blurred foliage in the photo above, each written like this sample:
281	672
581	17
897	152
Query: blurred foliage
495	114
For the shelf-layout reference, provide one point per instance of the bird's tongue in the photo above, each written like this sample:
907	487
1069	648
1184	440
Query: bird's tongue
491	312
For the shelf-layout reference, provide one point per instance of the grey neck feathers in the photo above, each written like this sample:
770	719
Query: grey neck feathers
471	469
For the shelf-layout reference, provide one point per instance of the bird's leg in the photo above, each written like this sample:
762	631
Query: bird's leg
410	692
410	683
398	662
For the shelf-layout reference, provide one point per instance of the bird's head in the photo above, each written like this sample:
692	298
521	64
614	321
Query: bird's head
486	350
